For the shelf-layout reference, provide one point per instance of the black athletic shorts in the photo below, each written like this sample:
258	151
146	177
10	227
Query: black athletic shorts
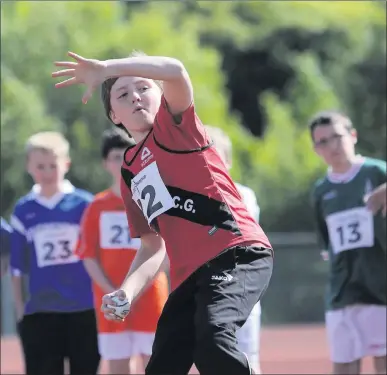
48	338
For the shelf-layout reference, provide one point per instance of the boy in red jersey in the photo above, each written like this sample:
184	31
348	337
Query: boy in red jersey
180	197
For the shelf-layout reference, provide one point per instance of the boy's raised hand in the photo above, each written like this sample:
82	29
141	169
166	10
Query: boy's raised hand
89	72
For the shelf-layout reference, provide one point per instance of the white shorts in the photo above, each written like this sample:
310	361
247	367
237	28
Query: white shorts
122	345
356	331
248	336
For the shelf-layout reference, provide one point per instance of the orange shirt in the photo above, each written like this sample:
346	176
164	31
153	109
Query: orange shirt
105	236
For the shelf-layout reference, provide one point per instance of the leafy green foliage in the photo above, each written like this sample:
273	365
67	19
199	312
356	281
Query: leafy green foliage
255	66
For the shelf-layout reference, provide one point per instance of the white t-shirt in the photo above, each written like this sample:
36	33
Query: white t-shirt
249	199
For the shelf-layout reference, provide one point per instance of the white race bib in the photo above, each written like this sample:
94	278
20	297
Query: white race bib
150	192
55	244
114	231
351	229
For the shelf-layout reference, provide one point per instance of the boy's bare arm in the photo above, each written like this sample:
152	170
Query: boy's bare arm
377	200
177	85
149	261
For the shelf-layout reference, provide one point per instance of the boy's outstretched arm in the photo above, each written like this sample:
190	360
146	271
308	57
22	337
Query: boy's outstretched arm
177	85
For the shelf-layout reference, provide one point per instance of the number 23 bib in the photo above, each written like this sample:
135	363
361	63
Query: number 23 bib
150	193
351	229
55	245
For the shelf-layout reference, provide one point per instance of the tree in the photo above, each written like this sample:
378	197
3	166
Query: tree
284	61
258	69
31	103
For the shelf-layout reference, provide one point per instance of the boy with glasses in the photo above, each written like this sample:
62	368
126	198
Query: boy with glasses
350	204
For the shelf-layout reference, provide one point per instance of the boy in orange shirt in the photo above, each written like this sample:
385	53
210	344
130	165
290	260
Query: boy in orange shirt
108	250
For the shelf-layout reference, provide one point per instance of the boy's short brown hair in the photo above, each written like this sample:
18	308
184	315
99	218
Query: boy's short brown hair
48	141
107	87
327	118
114	138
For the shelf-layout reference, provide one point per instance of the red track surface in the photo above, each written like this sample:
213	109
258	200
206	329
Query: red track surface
284	350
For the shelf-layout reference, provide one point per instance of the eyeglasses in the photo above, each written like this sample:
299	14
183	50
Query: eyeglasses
323	143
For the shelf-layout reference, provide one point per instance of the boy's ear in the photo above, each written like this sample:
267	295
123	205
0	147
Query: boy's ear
114	118
67	164
354	135
28	165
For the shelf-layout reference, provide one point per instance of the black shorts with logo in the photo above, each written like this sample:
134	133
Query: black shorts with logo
201	316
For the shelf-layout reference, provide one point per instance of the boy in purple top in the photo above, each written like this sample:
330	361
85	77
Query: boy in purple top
58	320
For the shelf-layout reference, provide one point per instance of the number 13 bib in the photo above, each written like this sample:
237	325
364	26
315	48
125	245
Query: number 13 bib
351	229
150	192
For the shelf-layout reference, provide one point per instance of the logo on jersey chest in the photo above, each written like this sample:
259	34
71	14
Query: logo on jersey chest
330	195
146	156
69	203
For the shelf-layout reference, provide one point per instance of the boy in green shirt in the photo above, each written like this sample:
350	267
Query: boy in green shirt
350	205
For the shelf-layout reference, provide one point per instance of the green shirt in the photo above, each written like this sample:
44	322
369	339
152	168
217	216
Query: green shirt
353	236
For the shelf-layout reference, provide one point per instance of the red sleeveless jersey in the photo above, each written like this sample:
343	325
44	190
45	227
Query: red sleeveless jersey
175	183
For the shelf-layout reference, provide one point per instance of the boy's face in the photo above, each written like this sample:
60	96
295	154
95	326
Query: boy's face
135	102
46	168
113	163
335	144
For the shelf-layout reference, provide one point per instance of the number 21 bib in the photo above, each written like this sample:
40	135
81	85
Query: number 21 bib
114	231
351	229
150	193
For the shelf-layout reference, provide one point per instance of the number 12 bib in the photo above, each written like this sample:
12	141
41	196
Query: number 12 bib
351	229
150	192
